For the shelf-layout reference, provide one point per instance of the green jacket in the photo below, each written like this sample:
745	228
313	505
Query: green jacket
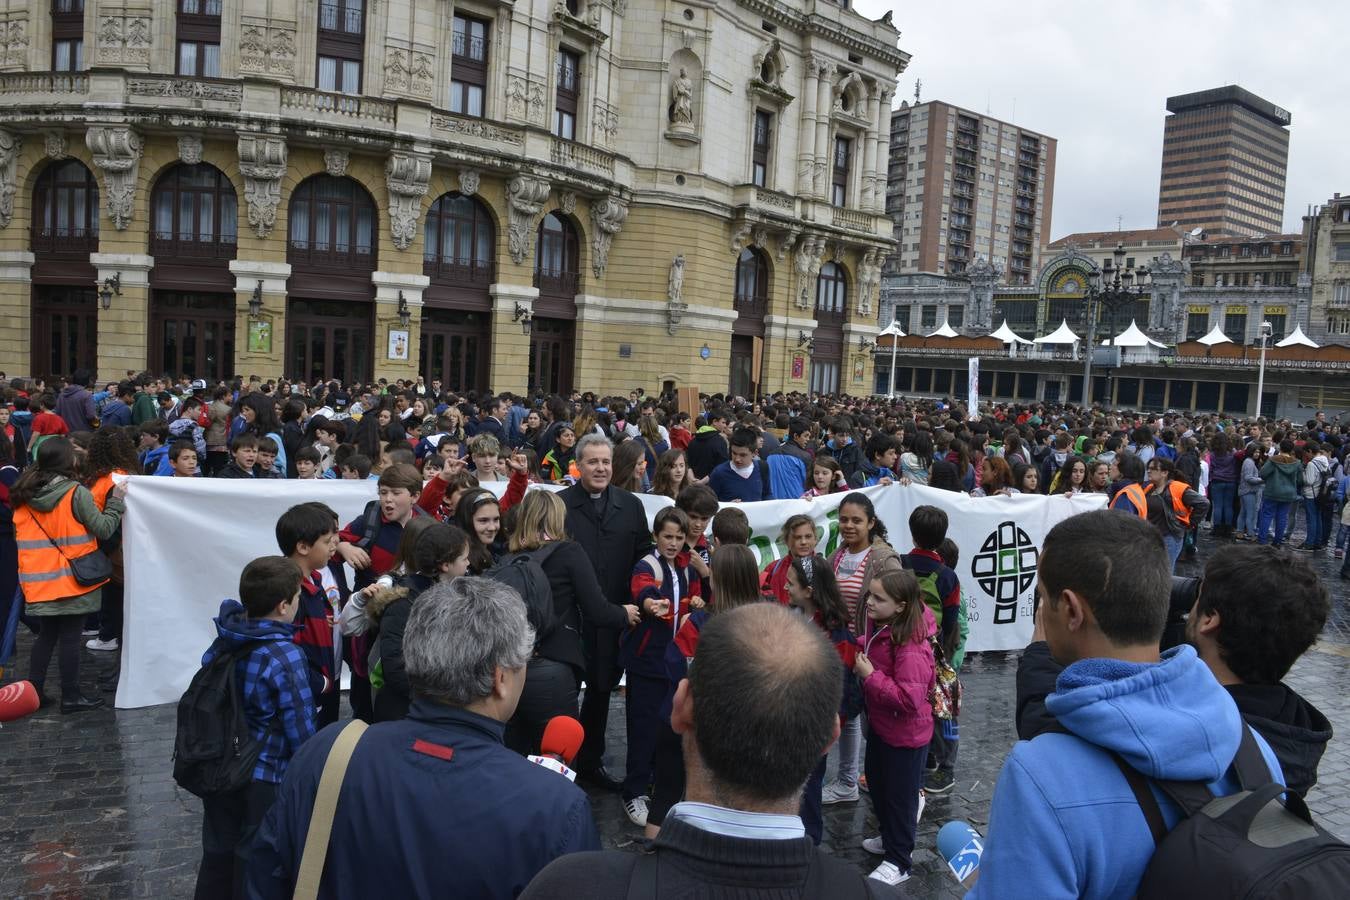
1283	476
143	409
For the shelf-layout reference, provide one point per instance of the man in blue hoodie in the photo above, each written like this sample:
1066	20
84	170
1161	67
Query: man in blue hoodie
1064	821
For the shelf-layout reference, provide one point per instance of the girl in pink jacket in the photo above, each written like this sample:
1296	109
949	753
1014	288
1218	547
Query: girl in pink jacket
897	672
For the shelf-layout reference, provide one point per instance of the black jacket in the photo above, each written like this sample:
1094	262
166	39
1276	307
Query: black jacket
392	700
705	452
849	456
576	598
292	436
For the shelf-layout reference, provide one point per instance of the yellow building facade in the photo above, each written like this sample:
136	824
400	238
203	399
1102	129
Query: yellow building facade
524	197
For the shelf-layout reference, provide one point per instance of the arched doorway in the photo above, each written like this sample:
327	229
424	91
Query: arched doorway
331	241
557	274
751	302
63	232
458	257
827	354
193	234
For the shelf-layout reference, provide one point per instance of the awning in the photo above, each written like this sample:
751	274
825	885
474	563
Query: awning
945	331
1061	335
1297	339
1008	336
1215	336
1133	337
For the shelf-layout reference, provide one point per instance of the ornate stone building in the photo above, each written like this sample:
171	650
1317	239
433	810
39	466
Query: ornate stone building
589	193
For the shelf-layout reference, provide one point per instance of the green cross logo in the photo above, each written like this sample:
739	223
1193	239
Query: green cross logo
1004	568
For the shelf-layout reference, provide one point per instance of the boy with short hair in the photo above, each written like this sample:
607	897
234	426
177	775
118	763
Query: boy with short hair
154	455
730	526
941	590
307	463
274	686
266	466
742	478
307	534
243	456
699	504
182	460
355	467
484	449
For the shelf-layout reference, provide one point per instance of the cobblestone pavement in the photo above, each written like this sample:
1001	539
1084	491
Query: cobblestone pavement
90	809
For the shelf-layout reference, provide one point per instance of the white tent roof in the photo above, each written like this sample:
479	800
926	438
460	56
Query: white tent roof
945	331
1061	335
893	330
1215	336
1297	338
1133	337
1008	336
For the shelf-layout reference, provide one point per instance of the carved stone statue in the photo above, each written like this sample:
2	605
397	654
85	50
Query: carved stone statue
682	102
675	289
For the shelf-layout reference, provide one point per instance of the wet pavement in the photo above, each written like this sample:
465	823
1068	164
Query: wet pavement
90	809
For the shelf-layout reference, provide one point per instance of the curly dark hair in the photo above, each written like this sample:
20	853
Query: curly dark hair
1271	606
110	450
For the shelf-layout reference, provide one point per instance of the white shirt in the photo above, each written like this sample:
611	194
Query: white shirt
738	823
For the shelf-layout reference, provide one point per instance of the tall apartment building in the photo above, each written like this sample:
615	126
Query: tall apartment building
963	186
1225	153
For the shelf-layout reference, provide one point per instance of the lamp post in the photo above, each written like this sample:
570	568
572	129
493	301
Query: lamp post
894	331
1112	286
1266	330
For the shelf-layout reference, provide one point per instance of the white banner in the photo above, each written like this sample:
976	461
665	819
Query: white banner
187	540
973	388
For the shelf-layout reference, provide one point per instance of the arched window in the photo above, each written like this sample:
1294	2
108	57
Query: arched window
195	213
65	209
752	282
832	290
331	225
459	241
556	258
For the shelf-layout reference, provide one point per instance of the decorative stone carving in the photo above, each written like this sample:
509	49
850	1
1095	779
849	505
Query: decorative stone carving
983	276
681	109
267	47
262	161
117	154
191	88
13	42
408	71
55	146
468	182
10	146
869	278
407	175
123	38
524	99
759	236
190	148
281	51
476	128
335	161
567	202
1166	312
849	94
769	64
807	262
420	71
396	69
675	305
740	237
525	197
785	242
607	218
605	119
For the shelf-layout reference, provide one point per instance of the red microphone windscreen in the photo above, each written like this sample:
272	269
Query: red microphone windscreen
562	738
21	699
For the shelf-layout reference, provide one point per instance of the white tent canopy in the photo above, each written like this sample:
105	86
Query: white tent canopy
1061	335
1133	337
893	330
1297	338
1215	336
1008	336
945	331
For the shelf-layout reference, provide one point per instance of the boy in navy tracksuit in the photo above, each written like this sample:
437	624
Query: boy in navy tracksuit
307	534
273	680
941	588
665	588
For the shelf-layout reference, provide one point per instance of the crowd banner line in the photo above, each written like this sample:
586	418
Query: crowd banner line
187	539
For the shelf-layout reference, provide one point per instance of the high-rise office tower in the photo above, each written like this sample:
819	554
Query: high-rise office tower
1225	152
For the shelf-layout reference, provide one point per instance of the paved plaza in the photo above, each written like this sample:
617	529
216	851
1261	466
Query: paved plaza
90	809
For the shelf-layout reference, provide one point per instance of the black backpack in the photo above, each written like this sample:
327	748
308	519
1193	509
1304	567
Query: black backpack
213	751
523	572
1247	845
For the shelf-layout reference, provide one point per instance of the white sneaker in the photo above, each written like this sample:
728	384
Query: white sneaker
874	846
889	873
923	801
96	644
834	792
89	632
637	811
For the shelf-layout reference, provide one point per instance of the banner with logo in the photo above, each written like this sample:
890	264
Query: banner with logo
187	540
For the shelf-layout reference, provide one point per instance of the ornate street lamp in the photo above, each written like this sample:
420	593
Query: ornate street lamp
1114	287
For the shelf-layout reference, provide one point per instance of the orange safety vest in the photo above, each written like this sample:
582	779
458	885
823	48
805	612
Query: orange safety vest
1177	490
1135	494
44	570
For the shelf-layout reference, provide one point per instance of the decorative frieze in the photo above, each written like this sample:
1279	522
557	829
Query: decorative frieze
11	145
262	161
475	128
184	88
607	218
525	200
407	176
408	71
606	119
117	154
525	99
14	40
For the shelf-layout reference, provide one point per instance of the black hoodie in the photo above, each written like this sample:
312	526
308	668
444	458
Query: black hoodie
1294	728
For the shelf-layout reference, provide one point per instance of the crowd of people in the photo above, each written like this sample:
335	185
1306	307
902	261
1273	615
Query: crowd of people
736	682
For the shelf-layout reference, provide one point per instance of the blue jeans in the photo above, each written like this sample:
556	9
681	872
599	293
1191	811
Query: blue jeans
1278	511
1221	500
1314	517
1173	544
1342	537
1250	515
850	750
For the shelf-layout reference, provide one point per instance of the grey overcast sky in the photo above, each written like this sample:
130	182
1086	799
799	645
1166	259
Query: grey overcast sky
1096	76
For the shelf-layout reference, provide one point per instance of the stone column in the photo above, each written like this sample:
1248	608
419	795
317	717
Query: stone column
883	149
870	181
123	327
824	106
510	366
16	308
806	142
260	343
396	346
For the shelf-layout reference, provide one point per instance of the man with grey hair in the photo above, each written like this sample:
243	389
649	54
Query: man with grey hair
611	526
434	805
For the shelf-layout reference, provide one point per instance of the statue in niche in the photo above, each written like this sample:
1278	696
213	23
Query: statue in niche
675	288
682	102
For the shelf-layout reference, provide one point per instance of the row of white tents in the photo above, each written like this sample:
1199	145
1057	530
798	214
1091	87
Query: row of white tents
1130	337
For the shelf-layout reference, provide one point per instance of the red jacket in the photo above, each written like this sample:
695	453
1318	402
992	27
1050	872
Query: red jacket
680	438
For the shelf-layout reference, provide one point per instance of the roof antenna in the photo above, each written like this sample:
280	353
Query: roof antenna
918	86
1119	219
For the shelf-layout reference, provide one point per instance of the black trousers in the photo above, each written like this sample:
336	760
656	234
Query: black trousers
550	690
55	632
602	676
944	745
228	825
894	777
812	816
643	715
668	788
110	625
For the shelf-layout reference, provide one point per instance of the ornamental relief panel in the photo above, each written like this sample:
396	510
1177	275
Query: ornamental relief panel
525	99
267	47
14	41
409	71
123	37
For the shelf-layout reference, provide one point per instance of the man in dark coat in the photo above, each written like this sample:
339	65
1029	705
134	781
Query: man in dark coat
709	448
611	526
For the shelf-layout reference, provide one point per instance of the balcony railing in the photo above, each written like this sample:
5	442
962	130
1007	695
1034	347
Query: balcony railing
459	271
557	284
309	102
848	218
73	241
169	246
579	156
44	83
322	255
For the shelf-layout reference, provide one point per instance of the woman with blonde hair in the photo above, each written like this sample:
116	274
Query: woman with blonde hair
553	677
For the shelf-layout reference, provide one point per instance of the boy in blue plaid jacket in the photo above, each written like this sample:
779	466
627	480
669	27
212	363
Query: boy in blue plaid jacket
278	703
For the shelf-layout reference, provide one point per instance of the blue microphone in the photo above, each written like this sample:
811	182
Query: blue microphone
961	847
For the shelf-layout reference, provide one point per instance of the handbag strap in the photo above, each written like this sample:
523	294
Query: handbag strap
325	807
